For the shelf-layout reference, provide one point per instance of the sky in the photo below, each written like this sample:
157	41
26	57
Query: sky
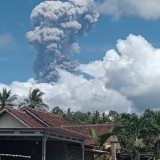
85	55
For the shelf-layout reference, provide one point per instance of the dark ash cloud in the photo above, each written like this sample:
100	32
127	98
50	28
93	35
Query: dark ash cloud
56	25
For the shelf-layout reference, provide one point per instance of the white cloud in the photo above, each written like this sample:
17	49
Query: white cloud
5	39
133	71
74	92
147	9
124	80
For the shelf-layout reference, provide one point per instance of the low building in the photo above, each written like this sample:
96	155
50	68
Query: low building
31	134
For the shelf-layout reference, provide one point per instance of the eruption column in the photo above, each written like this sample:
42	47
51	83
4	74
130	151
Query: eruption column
56	25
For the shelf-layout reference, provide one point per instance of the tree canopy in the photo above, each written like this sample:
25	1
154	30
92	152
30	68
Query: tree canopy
34	100
6	98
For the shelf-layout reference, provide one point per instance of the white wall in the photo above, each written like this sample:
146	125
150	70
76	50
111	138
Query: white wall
9	121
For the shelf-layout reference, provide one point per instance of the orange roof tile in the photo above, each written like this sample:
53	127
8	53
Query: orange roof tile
23	116
51	119
37	119
85	129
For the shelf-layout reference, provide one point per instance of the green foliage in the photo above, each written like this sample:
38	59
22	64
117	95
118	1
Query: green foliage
104	137
100	140
96	137
57	110
139	133
129	126
6	98
137	155
34	100
78	117
152	131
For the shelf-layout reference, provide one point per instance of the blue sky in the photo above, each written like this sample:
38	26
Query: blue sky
17	55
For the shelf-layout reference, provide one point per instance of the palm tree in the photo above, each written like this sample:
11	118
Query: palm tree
34	100
128	127
6	98
96	117
152	131
112	115
57	110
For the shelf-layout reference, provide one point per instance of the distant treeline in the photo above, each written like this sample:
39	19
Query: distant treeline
78	117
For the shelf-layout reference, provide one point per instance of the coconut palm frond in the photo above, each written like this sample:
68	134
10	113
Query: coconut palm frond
35	100
6	98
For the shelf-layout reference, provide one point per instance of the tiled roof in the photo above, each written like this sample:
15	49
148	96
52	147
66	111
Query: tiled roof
39	119
52	120
85	129
35	118
24	117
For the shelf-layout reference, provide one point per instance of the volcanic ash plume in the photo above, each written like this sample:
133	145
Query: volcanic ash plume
56	25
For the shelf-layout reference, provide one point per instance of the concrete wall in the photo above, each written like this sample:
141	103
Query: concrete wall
9	121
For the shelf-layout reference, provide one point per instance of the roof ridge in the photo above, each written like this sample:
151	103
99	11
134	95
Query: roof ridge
46	119
28	111
87	125
43	111
11	111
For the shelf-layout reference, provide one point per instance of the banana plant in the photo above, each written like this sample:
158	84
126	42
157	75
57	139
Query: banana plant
100	140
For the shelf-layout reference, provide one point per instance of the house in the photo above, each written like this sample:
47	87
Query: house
31	134
101	129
